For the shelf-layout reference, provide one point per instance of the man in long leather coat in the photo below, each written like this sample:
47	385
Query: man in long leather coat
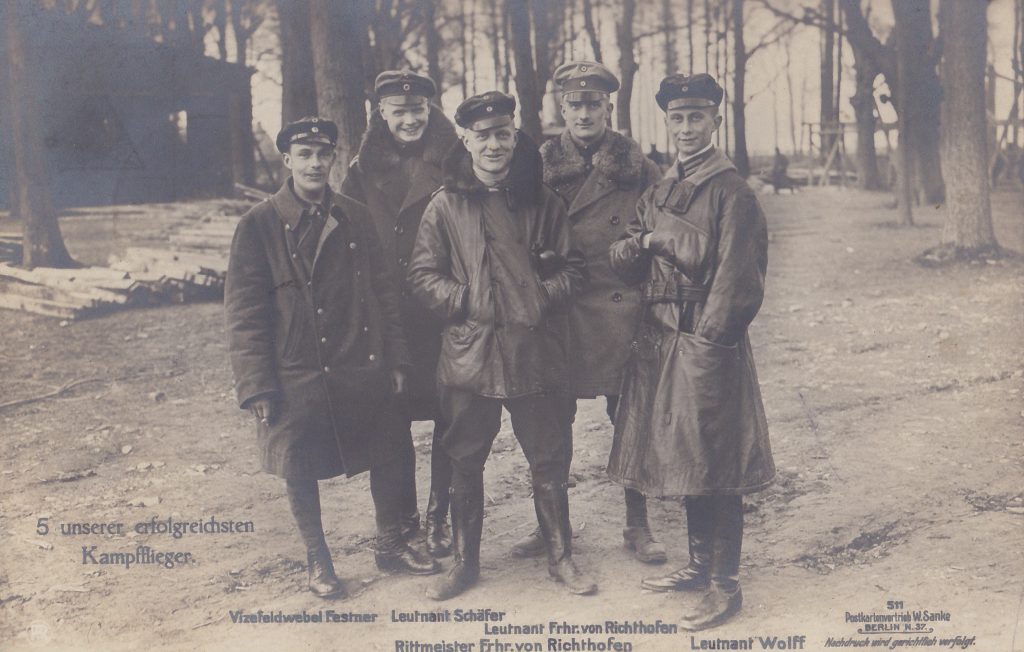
317	350
395	173
601	174
690	419
504	342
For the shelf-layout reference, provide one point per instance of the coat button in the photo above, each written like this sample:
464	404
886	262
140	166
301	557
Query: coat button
616	297
366	329
319	311
323	340
372	357
358	273
327	370
399	229
309	284
614	219
403	262
295	255
351	245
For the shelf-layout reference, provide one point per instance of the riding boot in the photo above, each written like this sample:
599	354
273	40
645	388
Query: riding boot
438	534
304	500
410	514
467	505
393	551
699	529
637	534
551	501
723	598
533	544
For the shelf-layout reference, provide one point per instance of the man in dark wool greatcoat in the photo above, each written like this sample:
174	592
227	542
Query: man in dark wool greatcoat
690	420
493	258
318	351
395	172
601	174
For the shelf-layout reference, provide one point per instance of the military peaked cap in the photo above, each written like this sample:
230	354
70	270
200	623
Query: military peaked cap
403	82
486	110
311	129
584	80
700	90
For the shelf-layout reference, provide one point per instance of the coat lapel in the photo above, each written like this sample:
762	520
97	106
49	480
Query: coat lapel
428	179
596	187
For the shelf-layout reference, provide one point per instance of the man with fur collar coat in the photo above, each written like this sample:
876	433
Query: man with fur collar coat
494	259
395	172
601	174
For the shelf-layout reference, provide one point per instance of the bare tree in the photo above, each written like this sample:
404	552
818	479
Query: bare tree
866	69
298	93
42	243
338	36
591	29
827	114
627	66
527	87
967	233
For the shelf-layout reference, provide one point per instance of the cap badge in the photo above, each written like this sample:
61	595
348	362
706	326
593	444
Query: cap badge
583	69
490	109
405	87
315	130
583	82
684	88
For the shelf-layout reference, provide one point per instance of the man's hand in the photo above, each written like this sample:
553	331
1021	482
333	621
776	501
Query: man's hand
264	410
398	381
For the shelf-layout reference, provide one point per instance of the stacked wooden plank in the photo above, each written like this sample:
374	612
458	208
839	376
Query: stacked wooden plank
68	293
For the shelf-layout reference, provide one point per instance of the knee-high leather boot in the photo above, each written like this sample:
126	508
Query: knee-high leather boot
438	535
394	552
409	518
723	598
467	504
304	500
551	500
700	532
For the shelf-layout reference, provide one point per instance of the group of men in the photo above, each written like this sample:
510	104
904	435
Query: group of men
456	274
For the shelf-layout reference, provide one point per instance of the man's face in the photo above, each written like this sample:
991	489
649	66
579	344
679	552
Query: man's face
310	164
586	120
491	148
407	122
691	128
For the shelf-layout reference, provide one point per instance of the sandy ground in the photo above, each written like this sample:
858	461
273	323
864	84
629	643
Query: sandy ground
893	395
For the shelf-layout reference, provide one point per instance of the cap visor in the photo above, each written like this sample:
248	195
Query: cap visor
404	100
490	122
689	103
312	140
583	96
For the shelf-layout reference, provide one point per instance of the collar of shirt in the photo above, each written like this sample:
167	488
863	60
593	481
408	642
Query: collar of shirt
687	165
587	150
298	208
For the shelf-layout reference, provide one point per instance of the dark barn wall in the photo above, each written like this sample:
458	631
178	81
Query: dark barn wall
109	100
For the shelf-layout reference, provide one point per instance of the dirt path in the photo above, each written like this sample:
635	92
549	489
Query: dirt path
893	395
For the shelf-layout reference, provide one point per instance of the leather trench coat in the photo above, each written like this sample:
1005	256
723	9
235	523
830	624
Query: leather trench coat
690	419
321	342
505	333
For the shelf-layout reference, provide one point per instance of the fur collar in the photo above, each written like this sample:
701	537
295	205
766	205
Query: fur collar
377	152
524	182
619	158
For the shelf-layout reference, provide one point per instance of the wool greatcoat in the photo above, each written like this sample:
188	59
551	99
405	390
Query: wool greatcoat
601	200
690	419
505	333
396	183
321	341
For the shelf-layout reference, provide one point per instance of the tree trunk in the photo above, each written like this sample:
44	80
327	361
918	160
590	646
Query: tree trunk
863	102
923	93
526	73
495	38
905	167
627	67
968	227
338	36
689	35
42	243
739	80
789	90
827	70
433	46
668	24
588	25
298	85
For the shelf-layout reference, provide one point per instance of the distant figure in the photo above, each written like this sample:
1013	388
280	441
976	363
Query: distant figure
780	178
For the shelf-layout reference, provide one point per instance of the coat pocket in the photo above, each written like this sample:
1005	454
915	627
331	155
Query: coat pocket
710	375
